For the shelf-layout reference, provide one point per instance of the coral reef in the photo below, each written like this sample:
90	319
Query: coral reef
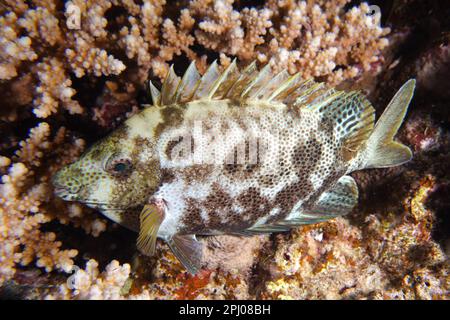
104	38
27	203
82	67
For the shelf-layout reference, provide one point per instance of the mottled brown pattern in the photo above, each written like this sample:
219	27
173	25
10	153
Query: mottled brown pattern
169	148
140	144
246	170
289	196
268	180
305	157
197	172
255	206
308	149
192	221
166	176
218	204
110	145
126	189
172	116
217	200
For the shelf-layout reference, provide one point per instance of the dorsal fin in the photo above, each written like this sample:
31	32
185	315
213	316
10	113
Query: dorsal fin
248	84
257	84
169	87
224	81
242	81
188	84
352	112
156	95
273	85
206	83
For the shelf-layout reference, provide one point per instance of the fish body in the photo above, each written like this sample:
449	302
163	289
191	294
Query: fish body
238	152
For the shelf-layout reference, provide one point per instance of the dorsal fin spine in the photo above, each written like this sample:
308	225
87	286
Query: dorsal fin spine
184	83
260	77
221	78
156	95
285	85
205	83
167	90
273	84
234	92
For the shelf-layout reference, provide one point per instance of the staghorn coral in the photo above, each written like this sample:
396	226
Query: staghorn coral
82	65
317	39
27	203
82	39
91	284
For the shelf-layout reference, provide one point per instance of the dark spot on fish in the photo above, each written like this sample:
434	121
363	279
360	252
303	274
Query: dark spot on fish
166	176
288	197
170	145
255	206
172	116
306	156
247	166
192	221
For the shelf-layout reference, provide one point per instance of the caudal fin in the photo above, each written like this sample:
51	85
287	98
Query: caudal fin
381	150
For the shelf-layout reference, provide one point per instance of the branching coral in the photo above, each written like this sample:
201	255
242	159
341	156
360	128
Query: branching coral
26	203
91	38
91	284
317	39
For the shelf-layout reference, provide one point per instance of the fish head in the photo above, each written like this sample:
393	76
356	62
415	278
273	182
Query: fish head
114	175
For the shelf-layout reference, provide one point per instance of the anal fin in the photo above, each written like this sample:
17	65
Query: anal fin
338	201
188	250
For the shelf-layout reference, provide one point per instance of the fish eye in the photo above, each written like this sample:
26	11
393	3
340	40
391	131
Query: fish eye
119	167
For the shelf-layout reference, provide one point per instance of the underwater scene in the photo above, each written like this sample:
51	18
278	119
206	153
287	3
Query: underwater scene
224	150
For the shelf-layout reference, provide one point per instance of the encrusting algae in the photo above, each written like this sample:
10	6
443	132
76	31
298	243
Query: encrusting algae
72	71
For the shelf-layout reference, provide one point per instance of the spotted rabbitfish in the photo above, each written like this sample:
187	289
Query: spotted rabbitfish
238	152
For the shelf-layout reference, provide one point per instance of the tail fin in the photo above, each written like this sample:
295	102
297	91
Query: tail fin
381	150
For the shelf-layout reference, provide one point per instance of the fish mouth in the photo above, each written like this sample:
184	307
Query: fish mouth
101	206
65	195
61	192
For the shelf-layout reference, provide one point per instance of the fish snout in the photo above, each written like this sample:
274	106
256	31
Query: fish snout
65	185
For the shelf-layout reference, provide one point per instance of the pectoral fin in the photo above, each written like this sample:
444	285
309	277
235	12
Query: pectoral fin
151	218
188	250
